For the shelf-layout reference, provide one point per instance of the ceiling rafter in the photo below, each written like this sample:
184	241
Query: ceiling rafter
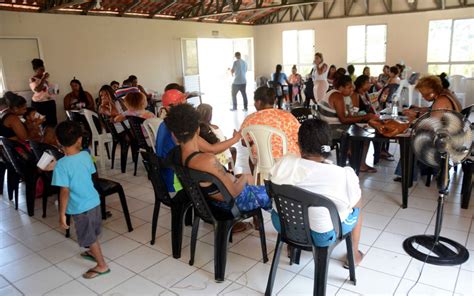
53	5
163	8
129	7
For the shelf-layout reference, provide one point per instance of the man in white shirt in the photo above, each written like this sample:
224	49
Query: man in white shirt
314	173
239	70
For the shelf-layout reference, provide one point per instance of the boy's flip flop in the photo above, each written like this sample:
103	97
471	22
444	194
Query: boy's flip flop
94	273
346	265
86	255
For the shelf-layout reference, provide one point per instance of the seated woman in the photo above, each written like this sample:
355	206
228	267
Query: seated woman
183	122
331	75
11	126
339	184
213	134
136	104
279	119
431	89
108	106
78	98
337	109
392	85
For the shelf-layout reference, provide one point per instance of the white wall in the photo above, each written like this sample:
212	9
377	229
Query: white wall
99	49
407	38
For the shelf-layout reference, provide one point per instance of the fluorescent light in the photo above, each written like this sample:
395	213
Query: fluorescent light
165	16
103	12
19	6
136	13
70	9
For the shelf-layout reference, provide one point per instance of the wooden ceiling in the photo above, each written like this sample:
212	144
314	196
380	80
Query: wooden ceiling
249	12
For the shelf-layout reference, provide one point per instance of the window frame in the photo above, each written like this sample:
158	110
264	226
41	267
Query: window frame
365	63
449	63
299	65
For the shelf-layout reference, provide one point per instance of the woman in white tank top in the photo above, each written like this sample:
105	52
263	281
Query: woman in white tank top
320	75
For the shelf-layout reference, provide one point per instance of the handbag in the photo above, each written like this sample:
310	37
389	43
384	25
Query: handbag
389	128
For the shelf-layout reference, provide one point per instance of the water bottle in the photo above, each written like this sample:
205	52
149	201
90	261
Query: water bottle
395	106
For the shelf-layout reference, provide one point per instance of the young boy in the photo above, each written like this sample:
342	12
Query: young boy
78	197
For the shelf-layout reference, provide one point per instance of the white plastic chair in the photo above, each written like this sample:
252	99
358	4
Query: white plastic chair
457	84
151	126
99	139
261	136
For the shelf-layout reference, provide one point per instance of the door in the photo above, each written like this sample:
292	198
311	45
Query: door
191	77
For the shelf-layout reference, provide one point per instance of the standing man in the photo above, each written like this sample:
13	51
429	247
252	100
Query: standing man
239	69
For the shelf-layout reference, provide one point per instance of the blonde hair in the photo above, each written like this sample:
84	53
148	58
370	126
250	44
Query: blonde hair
135	101
432	82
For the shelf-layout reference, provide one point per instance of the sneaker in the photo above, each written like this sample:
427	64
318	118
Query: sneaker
233	109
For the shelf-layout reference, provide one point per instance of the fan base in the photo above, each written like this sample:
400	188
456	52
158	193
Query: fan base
447	251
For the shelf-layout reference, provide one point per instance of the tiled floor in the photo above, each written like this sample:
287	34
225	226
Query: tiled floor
36	259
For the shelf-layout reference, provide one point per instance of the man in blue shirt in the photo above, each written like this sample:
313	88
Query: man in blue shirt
239	69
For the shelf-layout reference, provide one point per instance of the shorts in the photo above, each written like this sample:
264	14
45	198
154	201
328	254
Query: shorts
251	198
88	226
325	239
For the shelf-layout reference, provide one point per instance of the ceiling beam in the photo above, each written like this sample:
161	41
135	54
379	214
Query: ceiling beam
129	7
222	13
327	9
52	5
163	8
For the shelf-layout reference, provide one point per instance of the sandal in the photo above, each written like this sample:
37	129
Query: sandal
241	226
88	256
369	170
94	273
346	265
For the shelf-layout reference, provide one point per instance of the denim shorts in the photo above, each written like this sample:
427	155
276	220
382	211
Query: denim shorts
325	239
251	198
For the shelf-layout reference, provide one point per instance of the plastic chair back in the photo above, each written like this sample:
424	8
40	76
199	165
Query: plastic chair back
151	126
136	124
39	148
457	84
153	165
19	162
292	205
301	113
261	137
93	122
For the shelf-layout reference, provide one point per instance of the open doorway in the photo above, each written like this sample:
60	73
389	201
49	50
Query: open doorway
215	57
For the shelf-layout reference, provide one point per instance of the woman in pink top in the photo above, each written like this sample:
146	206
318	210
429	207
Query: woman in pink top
43	99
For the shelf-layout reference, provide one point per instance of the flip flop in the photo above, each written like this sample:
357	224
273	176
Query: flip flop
86	255
95	273
346	265
241	226
387	157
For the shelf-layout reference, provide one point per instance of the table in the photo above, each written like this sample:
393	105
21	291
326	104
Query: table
356	136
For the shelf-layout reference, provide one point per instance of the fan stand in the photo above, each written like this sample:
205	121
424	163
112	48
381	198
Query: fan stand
447	251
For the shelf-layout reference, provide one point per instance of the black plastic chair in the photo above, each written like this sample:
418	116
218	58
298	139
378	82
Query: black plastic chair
301	113
222	220
179	204
138	136
123	139
292	206
38	150
25	170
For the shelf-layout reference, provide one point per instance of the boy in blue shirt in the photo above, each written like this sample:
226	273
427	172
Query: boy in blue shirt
78	197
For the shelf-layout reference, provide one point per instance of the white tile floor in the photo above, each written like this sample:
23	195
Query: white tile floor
36	259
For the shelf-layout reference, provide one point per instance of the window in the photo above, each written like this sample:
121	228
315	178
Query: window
366	46
451	47
298	49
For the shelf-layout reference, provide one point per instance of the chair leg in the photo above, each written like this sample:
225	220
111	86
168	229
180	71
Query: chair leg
17	189
466	183
123	202
350	258
263	241
68	222
428	179
30	188
177	217
107	149
154	221
274	268
321	264
101	154
103	210
188	218
295	255
135	158
222	231
114	148
123	155
45	204
194	239
12	183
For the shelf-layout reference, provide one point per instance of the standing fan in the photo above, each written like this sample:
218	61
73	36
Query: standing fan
440	138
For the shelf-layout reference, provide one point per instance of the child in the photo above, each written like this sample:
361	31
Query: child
136	106
78	197
33	121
